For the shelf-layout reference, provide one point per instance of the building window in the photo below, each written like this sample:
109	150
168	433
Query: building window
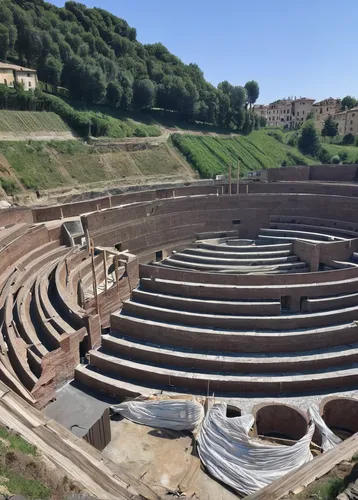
22	81
353	114
28	75
29	84
298	113
351	129
351	122
5	82
303	112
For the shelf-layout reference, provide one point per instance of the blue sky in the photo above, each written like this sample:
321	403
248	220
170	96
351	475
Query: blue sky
291	47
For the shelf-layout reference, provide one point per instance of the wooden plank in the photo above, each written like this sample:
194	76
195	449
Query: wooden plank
29	415
87	467
68	467
296	481
72	455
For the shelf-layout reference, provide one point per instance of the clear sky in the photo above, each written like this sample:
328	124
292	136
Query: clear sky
291	47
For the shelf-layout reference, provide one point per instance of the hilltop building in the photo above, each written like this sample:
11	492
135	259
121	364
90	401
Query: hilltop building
289	113
347	121
323	109
11	74
286	113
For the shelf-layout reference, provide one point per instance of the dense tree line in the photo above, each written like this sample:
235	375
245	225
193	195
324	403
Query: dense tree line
97	56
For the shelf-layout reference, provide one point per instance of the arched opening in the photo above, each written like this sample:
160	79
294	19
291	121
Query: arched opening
341	415
232	411
280	421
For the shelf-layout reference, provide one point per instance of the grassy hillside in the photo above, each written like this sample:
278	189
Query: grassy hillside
31	121
212	155
46	165
351	151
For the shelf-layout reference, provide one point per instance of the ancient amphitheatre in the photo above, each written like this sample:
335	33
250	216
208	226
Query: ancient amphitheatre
250	298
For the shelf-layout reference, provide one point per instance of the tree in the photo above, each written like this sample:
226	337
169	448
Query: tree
348	139
126	83
52	69
330	127
114	94
308	142
4	41
324	156
262	122
94	83
348	102
143	94
253	92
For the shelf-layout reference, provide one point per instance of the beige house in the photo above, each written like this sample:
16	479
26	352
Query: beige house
260	110
347	121
323	109
11	73
286	113
279	114
301	108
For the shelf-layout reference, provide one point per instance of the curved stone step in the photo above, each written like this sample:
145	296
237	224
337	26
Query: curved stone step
277	384
255	260
236	255
272	307
217	361
172	261
246	248
233	341
279	233
273	323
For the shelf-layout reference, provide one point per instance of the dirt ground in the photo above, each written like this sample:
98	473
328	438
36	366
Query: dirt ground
164	459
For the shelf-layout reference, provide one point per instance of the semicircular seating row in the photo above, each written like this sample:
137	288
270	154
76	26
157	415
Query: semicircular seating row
43	329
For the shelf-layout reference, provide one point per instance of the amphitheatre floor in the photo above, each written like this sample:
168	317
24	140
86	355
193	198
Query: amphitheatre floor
144	452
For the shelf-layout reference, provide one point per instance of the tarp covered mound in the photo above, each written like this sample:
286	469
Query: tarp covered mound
241	462
225	448
175	414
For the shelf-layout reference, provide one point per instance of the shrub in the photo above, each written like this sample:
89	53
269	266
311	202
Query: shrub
335	160
276	135
348	139
324	156
343	155
9	186
140	132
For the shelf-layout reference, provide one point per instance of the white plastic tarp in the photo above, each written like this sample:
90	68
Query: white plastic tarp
244	463
175	414
329	439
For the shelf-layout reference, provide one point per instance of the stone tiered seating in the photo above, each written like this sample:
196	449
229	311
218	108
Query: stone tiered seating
297	234
248	315
232	255
39	348
177	335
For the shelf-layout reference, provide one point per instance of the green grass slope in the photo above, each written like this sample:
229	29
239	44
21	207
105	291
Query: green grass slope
213	155
336	149
47	165
31	121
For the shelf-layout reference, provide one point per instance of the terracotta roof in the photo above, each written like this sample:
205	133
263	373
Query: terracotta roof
14	67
